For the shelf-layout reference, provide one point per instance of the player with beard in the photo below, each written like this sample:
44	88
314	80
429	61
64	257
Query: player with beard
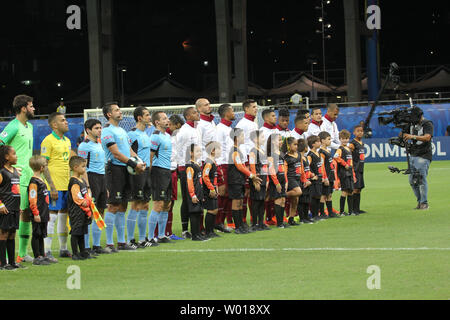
19	135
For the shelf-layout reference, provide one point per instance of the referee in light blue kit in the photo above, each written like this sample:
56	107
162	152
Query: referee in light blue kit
91	150
116	144
141	184
161	177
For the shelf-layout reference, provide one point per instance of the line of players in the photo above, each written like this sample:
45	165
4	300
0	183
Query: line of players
221	170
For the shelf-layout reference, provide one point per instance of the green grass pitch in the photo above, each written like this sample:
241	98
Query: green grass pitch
327	260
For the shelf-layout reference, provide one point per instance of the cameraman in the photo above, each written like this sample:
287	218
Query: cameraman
420	136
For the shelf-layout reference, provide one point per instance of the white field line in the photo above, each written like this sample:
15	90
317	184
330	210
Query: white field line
287	249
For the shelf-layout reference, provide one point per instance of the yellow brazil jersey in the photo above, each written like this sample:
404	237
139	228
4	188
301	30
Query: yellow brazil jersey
57	151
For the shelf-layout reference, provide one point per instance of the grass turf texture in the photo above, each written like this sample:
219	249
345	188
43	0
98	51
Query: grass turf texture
261	265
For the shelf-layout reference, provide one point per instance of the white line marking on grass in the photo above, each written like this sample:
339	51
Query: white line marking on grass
301	249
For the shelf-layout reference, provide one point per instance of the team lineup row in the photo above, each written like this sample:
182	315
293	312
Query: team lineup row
221	169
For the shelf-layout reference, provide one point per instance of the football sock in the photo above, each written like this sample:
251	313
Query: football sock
120	226
329	207
279	213
142	224
228	210
3	252
169	220
162	222
35	246
11	249
109	221
260	212
87	235
24	237
236	218
322	208
220	210
184	216
62	230
342	204
74	244
209	222
50	232
152	221
81	244
254	212
315	207
356	201
350	204
96	235
244	209
131	224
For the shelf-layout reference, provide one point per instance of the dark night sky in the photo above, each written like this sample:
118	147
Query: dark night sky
149	37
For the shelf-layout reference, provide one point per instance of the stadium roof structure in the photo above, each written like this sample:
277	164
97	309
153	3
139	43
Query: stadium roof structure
164	88
254	90
302	82
438	78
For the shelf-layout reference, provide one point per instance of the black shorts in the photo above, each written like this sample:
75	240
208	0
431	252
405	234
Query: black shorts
9	221
39	229
327	190
161	184
273	193
258	195
236	191
141	185
316	189
97	182
210	203
118	184
359	181
347	183
293	182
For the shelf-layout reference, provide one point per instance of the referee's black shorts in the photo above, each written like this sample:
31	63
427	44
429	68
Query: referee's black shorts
141	185
161	184
118	184
97	182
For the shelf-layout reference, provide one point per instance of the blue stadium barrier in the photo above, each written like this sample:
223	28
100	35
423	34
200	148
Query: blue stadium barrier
348	118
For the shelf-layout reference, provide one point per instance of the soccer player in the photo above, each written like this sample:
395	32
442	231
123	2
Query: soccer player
195	190
283	123
91	149
357	147
316	167
327	186
343	157
19	135
161	177
116	144
304	112
141	185
187	135
301	128
237	174
248	125
39	201
175	123
56	148
80	214
9	207
209	177
227	116
258	166
315	126
267	129
329	125
305	178
278	177
294	162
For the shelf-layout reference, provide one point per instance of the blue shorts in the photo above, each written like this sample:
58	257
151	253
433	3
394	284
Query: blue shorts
61	203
